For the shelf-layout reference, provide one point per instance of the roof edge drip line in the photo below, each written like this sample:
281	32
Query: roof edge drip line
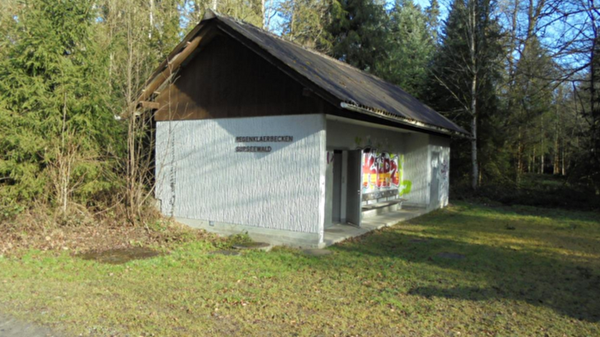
402	120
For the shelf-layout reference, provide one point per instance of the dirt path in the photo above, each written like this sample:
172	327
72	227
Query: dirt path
11	327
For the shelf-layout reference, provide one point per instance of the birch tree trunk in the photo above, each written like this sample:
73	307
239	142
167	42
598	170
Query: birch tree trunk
151	18
264	14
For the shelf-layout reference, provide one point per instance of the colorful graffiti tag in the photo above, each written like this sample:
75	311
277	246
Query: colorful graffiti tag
380	172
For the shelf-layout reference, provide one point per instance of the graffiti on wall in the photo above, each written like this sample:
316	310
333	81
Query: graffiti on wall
383	171
443	176
380	172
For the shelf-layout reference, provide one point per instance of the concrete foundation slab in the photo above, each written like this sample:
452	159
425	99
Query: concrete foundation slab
371	211
317	252
332	235
274	237
341	232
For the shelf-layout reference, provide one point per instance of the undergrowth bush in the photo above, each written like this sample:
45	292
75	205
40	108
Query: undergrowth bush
535	190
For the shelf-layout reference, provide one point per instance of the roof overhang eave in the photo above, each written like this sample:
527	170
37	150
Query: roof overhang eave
165	71
402	120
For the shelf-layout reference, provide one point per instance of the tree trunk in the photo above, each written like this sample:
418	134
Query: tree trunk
264	14
64	162
474	181
474	153
151	18
556	160
542	149
594	108
129	92
533	156
563	157
519	160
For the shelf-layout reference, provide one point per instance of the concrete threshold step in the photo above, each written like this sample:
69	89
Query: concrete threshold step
373	210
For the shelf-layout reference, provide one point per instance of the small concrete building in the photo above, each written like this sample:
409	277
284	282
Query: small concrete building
257	134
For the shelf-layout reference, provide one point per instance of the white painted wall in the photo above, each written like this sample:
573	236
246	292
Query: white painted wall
200	176
427	162
343	134
348	136
417	168
329	190
417	148
441	169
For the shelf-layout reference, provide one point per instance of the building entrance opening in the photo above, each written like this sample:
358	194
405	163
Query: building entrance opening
343	187
361	184
381	176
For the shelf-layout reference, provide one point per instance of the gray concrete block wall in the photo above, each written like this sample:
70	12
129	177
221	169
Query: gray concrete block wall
417	169
201	176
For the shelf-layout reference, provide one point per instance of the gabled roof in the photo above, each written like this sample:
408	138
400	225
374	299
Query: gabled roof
337	82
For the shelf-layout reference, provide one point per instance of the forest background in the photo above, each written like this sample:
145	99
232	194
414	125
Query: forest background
521	75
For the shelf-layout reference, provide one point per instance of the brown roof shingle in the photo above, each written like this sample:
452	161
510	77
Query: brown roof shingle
339	80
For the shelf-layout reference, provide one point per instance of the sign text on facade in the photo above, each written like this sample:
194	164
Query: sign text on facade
260	139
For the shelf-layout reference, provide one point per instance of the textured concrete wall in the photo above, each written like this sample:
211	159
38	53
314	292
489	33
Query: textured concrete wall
440	148
200	176
420	167
329	190
347	136
417	168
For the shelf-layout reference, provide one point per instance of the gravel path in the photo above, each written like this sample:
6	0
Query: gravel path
11	327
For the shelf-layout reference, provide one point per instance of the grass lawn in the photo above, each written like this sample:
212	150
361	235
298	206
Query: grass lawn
468	270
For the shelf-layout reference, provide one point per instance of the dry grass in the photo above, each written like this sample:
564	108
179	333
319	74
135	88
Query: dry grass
43	230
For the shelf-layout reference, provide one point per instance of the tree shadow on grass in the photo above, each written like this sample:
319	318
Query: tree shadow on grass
567	286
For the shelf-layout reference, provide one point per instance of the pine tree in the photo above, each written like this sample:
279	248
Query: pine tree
410	48
55	130
594	113
465	71
587	161
433	19
357	32
532	97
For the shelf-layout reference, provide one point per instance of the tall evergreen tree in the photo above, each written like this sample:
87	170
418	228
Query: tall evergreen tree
433	19
532	99
595	116
410	47
465	72
55	130
587	163
357	32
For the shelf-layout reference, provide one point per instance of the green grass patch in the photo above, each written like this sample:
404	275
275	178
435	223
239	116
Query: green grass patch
466	270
